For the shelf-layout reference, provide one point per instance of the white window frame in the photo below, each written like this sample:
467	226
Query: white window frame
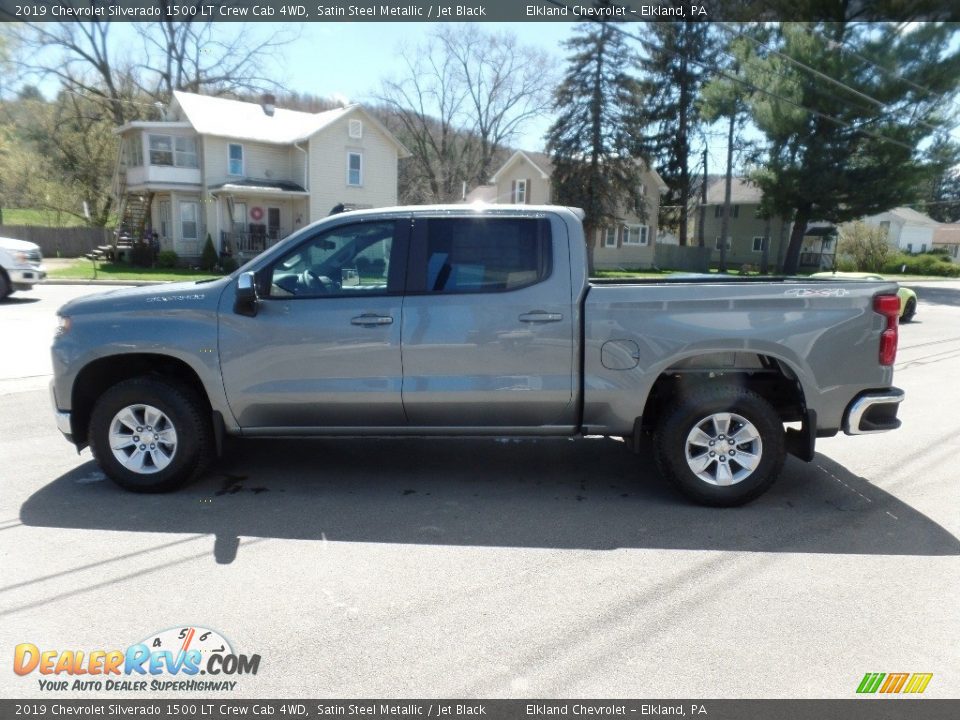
520	192
196	221
180	156
609	234
230	160
355	129
637	235
160	136
762	239
716	243
358	154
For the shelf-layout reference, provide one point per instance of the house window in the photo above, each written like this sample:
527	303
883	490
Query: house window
185	152
161	150
354	169
734	211
189	216
609	237
909	247
133	151
355	129
520	192
923	247
758	242
827	245
635	234
235	159
717	243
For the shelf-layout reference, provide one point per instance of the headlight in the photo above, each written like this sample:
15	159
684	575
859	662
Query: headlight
21	258
63	325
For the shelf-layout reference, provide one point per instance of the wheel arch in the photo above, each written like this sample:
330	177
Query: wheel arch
103	373
772	377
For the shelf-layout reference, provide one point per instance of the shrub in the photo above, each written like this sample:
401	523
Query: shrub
167	259
208	259
228	265
865	246
924	264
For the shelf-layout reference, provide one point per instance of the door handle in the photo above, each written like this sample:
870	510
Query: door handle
371	320
539	316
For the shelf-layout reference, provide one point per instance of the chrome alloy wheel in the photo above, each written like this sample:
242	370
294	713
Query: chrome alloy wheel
723	449
142	439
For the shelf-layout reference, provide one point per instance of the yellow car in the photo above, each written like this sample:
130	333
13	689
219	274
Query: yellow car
908	298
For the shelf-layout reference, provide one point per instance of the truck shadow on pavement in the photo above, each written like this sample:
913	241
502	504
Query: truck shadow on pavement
592	494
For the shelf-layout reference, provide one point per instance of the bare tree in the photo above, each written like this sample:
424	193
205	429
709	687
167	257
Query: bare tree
507	85
207	57
427	102
459	99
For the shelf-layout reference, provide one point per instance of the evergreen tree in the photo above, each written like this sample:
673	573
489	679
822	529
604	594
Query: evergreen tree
847	110
943	196
592	142
674	64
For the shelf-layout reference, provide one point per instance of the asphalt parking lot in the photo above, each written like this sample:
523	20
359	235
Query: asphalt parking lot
490	568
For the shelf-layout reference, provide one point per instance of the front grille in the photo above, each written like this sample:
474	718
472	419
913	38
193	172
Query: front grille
34	256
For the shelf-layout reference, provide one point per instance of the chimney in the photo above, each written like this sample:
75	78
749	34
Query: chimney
268	103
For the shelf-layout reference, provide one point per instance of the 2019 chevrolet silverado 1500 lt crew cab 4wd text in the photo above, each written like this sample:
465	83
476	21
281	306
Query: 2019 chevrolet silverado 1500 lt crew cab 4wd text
455	320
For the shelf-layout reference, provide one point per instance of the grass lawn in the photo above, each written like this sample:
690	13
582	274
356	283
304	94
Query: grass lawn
83	270
48	218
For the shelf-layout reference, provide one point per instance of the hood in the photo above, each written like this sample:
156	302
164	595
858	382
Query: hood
22	245
166	296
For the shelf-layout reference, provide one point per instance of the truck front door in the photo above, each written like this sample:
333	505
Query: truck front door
323	350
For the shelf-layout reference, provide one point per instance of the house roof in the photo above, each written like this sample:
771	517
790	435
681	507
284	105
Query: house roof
542	163
247	121
911	216
947	234
261	186
742	191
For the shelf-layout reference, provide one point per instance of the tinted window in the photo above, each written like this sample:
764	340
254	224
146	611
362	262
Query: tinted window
349	260
486	254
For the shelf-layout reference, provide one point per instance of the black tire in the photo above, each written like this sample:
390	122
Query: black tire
183	410
909	310
4	285
693	409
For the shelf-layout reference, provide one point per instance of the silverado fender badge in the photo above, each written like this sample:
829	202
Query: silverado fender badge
817	292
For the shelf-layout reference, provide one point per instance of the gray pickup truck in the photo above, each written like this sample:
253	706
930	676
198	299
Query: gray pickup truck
453	320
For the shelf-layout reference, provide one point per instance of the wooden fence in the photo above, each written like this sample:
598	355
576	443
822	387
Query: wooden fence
68	242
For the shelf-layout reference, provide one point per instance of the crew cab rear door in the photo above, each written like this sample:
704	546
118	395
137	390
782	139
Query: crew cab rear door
488	327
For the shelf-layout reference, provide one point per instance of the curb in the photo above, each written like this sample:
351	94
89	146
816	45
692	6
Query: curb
119	283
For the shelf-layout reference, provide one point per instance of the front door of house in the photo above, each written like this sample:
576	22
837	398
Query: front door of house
273	223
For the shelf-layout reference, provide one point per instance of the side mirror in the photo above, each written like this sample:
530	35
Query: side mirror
246	298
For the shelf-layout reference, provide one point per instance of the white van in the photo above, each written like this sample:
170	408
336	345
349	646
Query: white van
20	265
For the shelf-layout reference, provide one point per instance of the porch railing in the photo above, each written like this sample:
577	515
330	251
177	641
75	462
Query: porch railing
248	244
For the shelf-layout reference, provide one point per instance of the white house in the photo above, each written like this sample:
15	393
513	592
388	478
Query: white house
524	179
248	174
907	229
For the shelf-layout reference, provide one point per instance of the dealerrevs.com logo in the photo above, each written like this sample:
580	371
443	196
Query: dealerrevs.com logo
170	660
894	683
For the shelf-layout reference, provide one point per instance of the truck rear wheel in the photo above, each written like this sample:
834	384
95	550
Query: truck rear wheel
149	435
722	445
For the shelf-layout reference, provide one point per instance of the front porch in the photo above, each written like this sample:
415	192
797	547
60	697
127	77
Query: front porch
253	215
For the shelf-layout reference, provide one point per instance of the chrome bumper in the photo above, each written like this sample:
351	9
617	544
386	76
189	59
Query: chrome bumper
873	412
62	417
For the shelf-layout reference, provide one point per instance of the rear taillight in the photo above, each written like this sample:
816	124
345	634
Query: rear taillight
889	307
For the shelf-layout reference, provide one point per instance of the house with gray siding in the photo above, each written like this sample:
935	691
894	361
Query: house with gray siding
524	179
749	234
248	174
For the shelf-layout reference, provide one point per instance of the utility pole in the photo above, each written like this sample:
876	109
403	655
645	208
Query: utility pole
703	201
725	224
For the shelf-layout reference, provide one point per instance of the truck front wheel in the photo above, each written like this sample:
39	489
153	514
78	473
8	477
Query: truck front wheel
149	435
721	445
